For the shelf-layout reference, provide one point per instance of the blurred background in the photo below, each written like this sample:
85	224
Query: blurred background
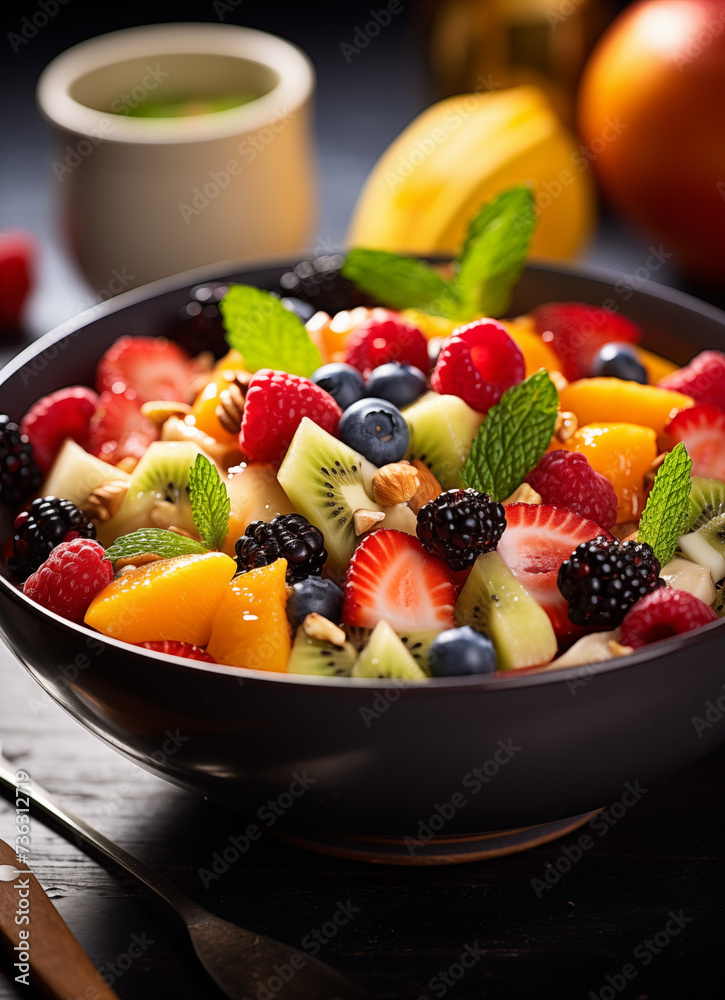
636	184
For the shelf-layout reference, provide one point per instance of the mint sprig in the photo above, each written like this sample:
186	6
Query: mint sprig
494	252
265	333
664	517
489	265
512	438
210	505
157	541
402	282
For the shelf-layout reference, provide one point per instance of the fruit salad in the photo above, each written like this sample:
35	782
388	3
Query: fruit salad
367	472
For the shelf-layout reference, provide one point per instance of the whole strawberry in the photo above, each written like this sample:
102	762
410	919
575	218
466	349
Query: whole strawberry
274	405
70	578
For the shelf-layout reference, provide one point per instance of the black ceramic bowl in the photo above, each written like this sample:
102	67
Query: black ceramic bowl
460	767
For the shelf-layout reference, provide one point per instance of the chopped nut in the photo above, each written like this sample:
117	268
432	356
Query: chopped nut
163	513
127	464
317	321
318	627
159	410
566	425
132	562
429	487
649	476
363	520
231	402
523	494
103	502
560	383
617	649
395	483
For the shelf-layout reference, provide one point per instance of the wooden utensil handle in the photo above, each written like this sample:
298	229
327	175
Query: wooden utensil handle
45	955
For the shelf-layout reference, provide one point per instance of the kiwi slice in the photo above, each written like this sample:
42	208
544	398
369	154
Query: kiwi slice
493	601
385	656
325	480
310	656
161	477
441	431
706	546
719	602
707	500
416	640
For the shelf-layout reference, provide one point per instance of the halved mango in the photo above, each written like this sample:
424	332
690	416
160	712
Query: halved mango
604	400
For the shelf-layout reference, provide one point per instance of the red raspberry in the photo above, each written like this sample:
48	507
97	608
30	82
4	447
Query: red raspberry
274	405
170	647
478	362
577	331
70	578
662	614
566	479
385	336
703	379
63	414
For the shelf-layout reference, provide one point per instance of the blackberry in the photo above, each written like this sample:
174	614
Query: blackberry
46	523
603	578
287	536
460	525
19	473
319	282
199	326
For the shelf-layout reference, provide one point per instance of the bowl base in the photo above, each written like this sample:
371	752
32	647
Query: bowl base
452	850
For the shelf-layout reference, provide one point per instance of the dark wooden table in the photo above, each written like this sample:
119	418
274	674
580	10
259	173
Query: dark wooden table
609	915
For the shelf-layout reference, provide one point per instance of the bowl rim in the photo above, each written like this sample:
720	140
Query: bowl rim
293	68
490	682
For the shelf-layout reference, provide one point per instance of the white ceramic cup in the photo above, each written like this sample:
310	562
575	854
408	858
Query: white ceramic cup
143	198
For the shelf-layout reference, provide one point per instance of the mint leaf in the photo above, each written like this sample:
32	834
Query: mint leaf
210	506
154	540
512	438
494	252
401	282
665	514
265	333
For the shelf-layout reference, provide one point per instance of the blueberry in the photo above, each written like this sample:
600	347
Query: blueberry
302	310
376	429
397	382
314	594
461	651
619	361
344	383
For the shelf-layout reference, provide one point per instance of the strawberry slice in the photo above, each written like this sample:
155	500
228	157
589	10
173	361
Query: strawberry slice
391	577
576	332
63	414
118	429
703	379
702	429
537	540
153	367
171	647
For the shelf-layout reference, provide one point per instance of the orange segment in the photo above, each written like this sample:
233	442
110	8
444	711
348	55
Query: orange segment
602	400
167	599
250	627
537	353
624	453
655	366
204	409
330	334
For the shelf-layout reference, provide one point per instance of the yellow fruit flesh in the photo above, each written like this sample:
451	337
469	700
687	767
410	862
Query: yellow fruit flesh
167	599
250	627
601	400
